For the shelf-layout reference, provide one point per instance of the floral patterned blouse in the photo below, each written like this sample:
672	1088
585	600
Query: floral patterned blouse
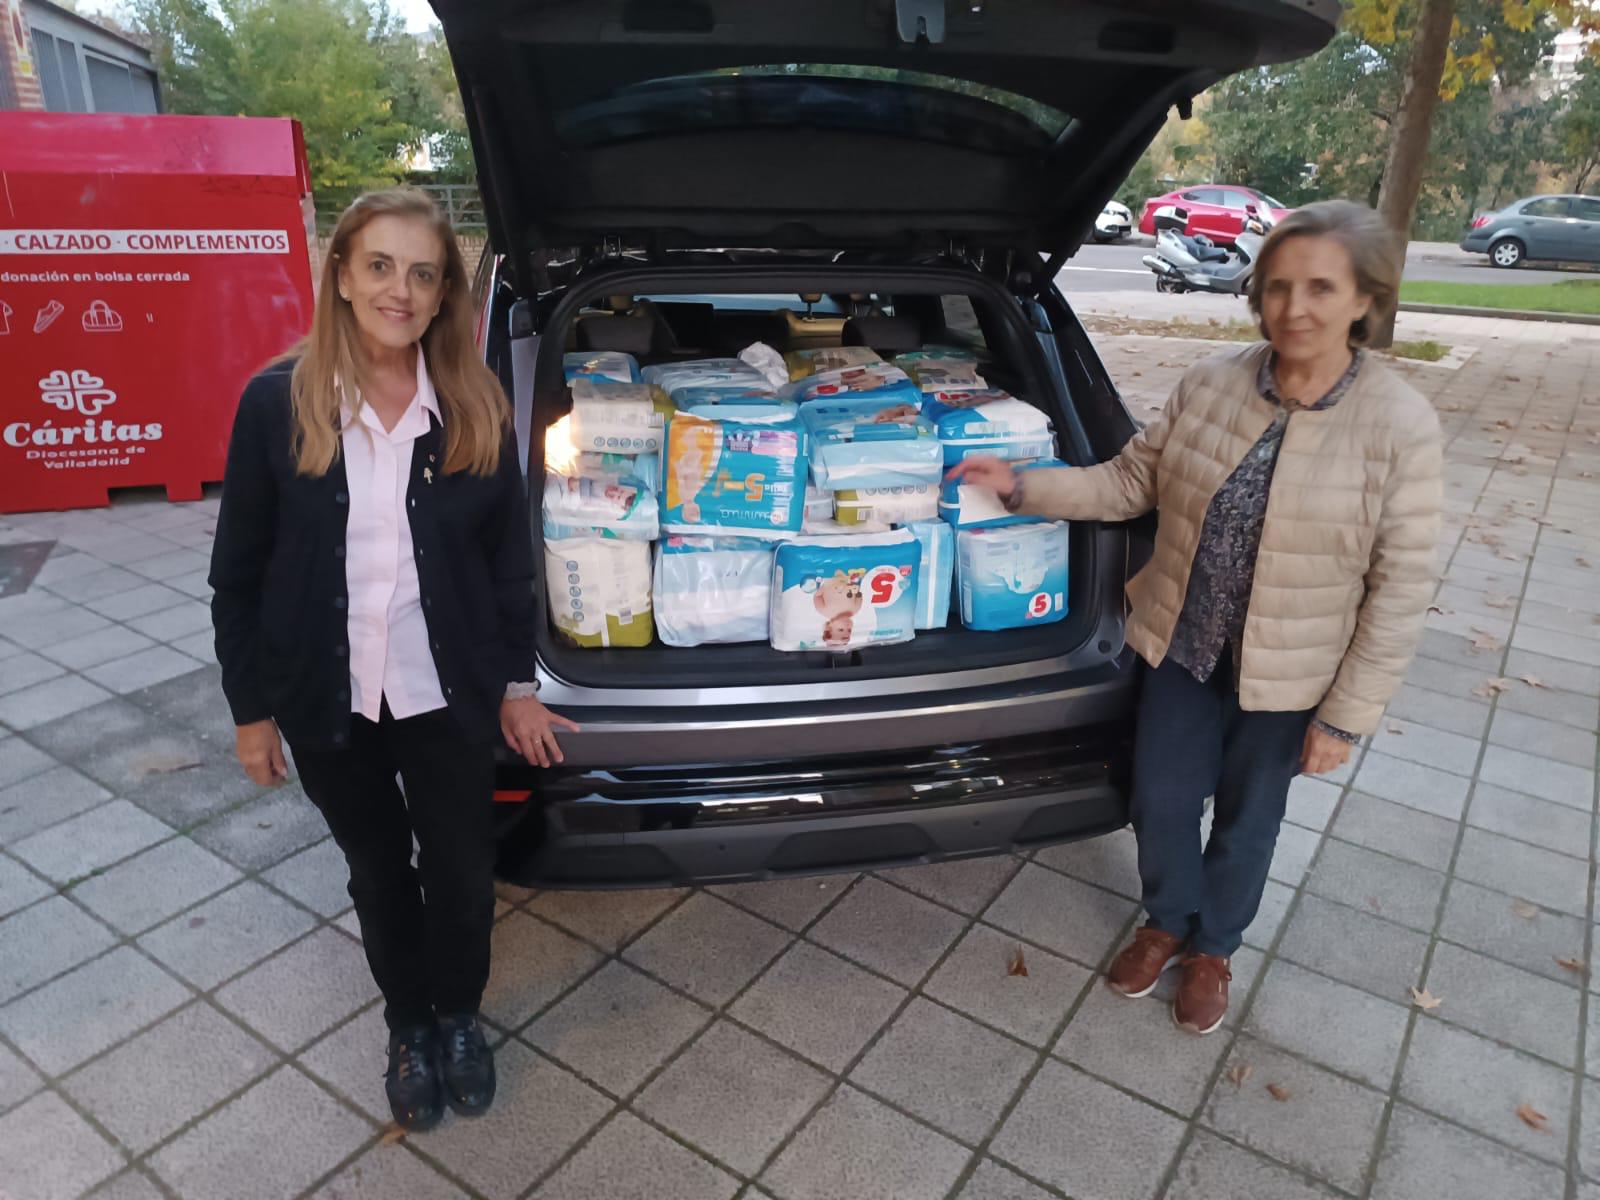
1218	595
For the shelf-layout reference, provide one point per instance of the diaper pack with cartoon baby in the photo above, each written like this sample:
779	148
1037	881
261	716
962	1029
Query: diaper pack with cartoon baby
611	366
897	505
802	363
862	445
734	477
842	593
712	590
989	422
968	506
617	418
604	506
935	573
646	468
599	591
1013	578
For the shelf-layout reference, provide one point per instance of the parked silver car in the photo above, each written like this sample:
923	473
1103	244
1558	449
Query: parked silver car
1547	228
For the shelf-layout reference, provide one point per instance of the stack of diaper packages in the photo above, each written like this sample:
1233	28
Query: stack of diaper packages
597	534
843	593
613	411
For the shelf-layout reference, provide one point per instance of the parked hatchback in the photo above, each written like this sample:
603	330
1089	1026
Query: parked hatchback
1217	210
680	180
1541	228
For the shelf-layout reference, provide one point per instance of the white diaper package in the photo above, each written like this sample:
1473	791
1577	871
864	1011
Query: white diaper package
601	506
829	358
858	445
946	375
599	591
768	361
646	468
819	504
734	478
617	418
967	506
730	373
936	572
878	384
1013	578
712	590
829	527
894	505
742	403
989	422
610	365
841	593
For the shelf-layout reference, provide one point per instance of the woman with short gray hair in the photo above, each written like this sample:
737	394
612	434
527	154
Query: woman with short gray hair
1299	483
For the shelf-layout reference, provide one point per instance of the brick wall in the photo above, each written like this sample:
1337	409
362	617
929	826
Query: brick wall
16	90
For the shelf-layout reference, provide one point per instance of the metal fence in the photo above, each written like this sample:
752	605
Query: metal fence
460	201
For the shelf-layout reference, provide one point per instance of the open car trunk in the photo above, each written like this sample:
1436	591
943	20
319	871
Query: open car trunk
701	312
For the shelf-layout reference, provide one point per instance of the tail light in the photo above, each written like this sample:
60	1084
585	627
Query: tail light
1479	222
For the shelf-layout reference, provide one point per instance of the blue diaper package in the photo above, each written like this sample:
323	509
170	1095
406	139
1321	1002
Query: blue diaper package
1013	578
858	445
644	467
734	477
989	422
729	373
935	573
967	506
737	403
603	506
841	593
712	590
611	366
878	384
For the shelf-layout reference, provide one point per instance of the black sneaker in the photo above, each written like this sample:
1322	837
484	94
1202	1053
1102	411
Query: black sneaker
467	1064
416	1097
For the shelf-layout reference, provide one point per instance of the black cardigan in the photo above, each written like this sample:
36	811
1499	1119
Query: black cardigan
278	578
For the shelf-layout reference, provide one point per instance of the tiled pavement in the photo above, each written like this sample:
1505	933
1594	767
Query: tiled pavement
184	1009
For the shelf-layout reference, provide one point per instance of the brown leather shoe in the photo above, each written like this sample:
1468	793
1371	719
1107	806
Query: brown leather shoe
1202	999
1136	971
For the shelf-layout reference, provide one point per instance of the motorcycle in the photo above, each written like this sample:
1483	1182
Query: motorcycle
1197	264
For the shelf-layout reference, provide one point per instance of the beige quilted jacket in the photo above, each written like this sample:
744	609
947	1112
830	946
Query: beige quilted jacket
1346	569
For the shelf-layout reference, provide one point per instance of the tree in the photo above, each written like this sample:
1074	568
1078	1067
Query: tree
1578	128
362	89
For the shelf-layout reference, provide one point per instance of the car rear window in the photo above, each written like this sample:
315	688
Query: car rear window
854	97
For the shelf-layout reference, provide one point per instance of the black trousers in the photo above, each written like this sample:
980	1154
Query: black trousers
425	928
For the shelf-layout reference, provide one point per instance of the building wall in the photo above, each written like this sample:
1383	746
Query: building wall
19	77
80	67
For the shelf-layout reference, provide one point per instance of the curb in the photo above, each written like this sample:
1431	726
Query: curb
1502	314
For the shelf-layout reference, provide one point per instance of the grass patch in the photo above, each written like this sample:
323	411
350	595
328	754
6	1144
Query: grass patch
1568	296
1427	350
1237	331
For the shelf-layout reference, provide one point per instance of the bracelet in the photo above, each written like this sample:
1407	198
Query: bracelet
1351	738
522	691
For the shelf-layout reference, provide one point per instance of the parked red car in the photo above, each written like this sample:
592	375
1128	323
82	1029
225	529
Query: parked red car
1217	210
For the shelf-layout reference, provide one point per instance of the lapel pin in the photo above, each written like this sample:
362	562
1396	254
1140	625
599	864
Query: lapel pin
427	474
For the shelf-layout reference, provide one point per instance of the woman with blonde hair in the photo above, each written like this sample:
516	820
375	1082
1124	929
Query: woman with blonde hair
1299	485
374	606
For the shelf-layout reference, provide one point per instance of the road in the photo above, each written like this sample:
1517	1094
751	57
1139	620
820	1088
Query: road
1117	268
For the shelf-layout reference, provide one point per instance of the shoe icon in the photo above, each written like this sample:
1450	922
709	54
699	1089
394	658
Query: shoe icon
47	315
100	317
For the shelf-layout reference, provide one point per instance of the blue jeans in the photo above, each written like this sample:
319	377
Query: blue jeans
1194	741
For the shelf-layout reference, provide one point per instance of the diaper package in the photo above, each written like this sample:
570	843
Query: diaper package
712	590
731	373
819	504
646	468
1012	578
617	418
734	477
841	593
946	375
895	505
599	591
610	365
933	354
1002	425
967	506
768	361
829	527
854	445
719	403
935	573
828	358
880	385
601	506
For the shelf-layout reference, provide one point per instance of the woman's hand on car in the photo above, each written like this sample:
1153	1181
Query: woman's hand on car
530	729
984	471
260	750
1323	752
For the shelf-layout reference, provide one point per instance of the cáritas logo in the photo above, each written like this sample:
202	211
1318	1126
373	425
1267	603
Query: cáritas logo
87	396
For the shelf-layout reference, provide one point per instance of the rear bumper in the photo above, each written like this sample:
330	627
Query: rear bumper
652	827
1476	243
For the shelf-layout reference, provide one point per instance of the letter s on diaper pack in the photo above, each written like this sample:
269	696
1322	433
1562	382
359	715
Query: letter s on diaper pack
734	477
841	593
1013	577
599	591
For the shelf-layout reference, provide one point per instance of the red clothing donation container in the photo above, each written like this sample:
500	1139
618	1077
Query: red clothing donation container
148	267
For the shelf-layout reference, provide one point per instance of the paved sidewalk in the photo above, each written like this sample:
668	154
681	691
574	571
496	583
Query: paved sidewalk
185	1011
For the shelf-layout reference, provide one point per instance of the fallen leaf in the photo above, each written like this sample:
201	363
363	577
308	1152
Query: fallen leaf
1424	999
164	764
1509	557
1576	965
393	1135
1493	687
1372	903
1533	681
1499	601
1017	965
1434	608
1583	562
196	922
1278	1092
1533	1118
1484	640
1523	909
1397	730
263	824
1240	1072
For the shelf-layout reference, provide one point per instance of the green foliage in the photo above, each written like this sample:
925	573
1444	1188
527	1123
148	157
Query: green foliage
1567	296
365	91
1578	130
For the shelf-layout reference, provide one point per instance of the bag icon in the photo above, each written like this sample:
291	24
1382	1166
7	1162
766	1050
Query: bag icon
99	317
